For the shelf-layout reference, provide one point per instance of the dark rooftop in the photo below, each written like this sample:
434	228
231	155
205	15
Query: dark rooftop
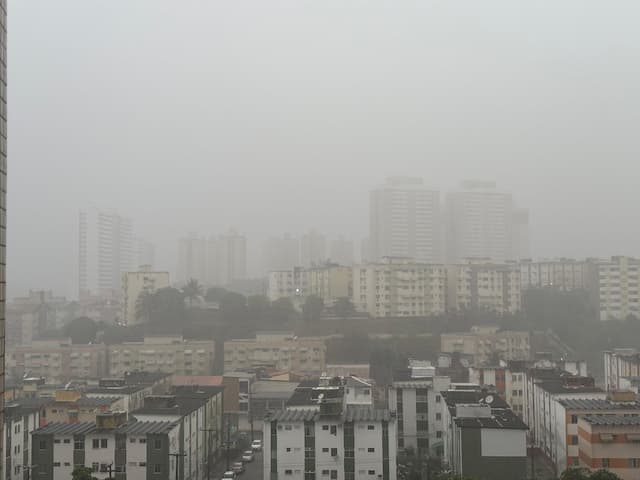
561	387
121	390
57	428
85	428
613	420
597	404
352	414
144	378
143	428
500	418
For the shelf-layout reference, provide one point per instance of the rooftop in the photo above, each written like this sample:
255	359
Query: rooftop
561	387
353	413
597	404
612	420
500	418
57	428
85	428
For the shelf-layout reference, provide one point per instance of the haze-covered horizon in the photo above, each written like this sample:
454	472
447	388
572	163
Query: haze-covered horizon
273	117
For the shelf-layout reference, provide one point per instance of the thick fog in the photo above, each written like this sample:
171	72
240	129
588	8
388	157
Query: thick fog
278	116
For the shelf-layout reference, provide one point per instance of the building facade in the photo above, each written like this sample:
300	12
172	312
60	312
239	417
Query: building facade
620	364
280	253
313	249
342	251
616	287
405	221
399	287
19	423
164	354
483	222
564	274
226	259
135	284
483	343
192	258
106	251
279	351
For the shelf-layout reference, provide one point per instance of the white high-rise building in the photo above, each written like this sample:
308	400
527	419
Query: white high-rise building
192	258
616	287
405	221
226	259
313	249
106	251
146	252
482	222
341	251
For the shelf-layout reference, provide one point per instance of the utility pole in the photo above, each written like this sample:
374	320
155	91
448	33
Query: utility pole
207	448
177	456
228	444
28	468
110	467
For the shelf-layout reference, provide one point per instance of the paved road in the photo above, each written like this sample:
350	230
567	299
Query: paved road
253	470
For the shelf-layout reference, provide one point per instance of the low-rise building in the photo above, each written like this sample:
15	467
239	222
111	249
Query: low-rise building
56	360
399	287
482	285
619	364
72	406
279	351
616	287
611	443
288	284
138	283
483	343
564	274
329	438
165	354
110	447
20	420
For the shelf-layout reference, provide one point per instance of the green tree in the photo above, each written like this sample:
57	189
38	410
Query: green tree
168	307
282	310
145	305
343	307
215	294
192	290
603	475
81	330
233	307
312	308
258	307
82	473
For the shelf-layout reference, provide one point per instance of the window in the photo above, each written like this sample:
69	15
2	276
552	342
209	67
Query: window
371	472
143	440
366	391
288	449
103	443
371	450
334	474
67	440
67	464
514	393
157	468
438	416
95	467
438	398
439	434
95	443
605	463
574	440
634	462
132	440
288	427
43	444
334	429
288	472
574	418
325	427
325	472
78	444
325	450
142	464
157	444
371	427
56	464
57	440
334	452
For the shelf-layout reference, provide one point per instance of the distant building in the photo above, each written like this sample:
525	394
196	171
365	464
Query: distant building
563	274
323	435
405	221
482	285
226	259
106	250
280	351
134	284
620	364
20	420
611	443
313	249
281	253
484	342
483	222
192	259
170	354
329	282
616	287
291	284
399	287
146	253
341	251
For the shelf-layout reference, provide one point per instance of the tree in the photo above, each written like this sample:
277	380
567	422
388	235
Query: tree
233	307
585	474
215	294
258	307
343	307
81	330
82	473
282	310
312	308
192	290
145	306
603	475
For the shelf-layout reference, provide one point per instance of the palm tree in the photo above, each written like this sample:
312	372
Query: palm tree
192	290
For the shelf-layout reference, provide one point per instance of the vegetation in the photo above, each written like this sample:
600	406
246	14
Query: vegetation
312	308
82	473
585	474
192	290
82	330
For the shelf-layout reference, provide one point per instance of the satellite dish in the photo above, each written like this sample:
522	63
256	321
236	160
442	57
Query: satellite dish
489	399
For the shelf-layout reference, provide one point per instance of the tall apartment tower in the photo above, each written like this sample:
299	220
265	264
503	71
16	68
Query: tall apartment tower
313	249
281	253
405	221
226	259
341	251
192	258
106	251
3	198
483	222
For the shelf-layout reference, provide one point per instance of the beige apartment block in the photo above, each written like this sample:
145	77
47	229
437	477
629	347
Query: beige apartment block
616	287
482	342
135	284
399	287
279	351
482	285
329	282
57	361
165	354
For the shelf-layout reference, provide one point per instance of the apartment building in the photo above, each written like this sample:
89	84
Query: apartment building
417	403
399	287
226	259
292	283
164	354
405	221
134	284
482	343
192	258
616	287
329	282
20	420
564	274
483	285
327	438
72	406
611	443
483	222
482	438
281	253
313	249
110	446
619	365
280	351
57	361
341	251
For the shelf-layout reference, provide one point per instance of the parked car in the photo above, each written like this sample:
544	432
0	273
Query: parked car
256	445
237	468
247	456
230	475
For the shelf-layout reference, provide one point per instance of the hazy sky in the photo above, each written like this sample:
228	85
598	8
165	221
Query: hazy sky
273	116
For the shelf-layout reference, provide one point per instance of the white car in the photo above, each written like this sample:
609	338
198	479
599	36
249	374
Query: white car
230	475
247	456
256	445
